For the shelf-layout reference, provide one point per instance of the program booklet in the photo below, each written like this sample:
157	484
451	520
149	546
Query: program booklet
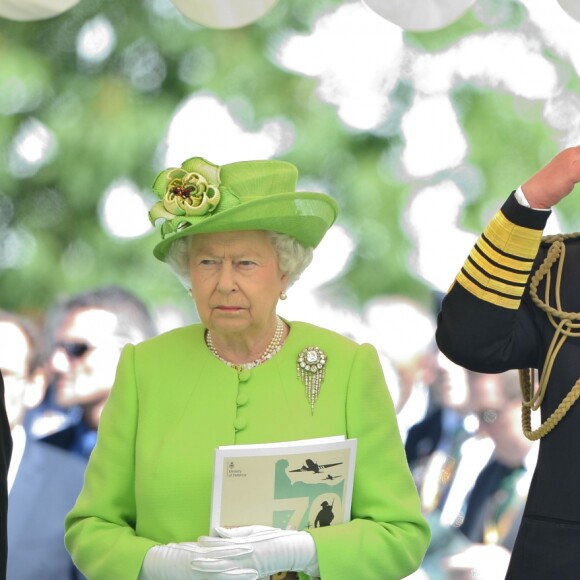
290	485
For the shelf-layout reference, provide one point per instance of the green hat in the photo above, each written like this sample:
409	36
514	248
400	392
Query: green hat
200	197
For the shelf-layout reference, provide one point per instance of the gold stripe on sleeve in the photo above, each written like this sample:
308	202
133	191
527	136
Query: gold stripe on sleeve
499	265
511	239
501	286
488	254
485	294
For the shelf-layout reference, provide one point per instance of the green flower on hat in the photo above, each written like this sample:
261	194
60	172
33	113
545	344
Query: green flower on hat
186	191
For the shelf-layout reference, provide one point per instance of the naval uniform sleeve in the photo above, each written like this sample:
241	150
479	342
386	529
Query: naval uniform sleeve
485	323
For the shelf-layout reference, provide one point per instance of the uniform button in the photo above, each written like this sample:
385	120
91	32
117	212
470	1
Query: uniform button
240	423
242	399
244	375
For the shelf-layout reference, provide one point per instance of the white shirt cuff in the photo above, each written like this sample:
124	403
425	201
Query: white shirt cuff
521	199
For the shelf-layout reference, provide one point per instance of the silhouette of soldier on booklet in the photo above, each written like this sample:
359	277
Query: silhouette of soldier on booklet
325	515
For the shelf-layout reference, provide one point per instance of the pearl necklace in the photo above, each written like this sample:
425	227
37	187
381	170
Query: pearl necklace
274	346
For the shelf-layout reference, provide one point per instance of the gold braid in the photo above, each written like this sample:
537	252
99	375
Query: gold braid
567	325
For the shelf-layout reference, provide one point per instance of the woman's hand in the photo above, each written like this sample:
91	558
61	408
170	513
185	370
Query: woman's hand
190	561
263	549
554	181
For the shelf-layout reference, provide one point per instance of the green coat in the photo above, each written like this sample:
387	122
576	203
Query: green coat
149	478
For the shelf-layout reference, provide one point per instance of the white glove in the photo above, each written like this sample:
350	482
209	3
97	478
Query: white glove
179	562
266	550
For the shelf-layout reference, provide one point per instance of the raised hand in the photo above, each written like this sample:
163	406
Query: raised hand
555	180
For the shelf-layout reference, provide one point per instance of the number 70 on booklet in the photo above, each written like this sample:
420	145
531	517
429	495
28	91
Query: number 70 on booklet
289	485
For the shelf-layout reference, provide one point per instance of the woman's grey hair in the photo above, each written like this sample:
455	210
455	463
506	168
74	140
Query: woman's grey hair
293	257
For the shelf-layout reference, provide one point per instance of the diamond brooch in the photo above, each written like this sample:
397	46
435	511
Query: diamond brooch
310	369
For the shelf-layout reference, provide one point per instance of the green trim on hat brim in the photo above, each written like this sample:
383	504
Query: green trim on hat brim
303	215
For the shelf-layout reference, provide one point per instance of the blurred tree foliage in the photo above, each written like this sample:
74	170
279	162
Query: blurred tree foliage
108	120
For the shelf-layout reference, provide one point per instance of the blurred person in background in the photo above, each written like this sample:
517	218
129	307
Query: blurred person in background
5	453
403	330
85	334
515	304
494	507
43	481
440	443
479	541
238	235
440	447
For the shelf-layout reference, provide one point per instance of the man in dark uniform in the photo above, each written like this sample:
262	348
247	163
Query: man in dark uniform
5	453
515	304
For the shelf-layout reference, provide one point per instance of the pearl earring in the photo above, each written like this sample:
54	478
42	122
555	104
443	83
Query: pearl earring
283	295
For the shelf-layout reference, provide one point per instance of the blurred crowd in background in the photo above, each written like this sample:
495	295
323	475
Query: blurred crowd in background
462	430
417	134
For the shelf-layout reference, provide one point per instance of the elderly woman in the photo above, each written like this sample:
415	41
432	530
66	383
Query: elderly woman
239	235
